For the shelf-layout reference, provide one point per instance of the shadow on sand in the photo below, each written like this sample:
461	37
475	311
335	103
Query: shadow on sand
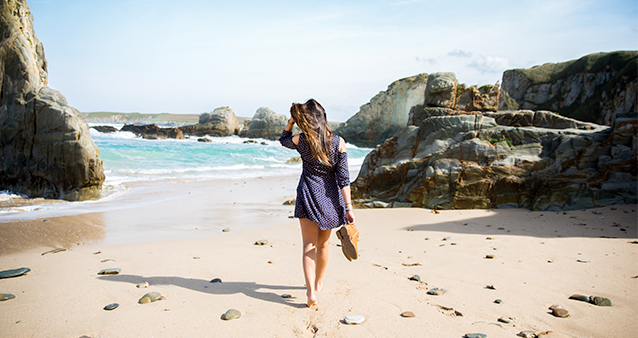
249	289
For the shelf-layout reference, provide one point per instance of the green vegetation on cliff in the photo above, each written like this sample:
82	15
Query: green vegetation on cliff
592	63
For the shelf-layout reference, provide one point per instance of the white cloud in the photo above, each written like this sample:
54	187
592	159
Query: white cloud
490	64
430	60
460	53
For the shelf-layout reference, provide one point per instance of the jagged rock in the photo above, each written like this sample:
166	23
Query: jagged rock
220	122
45	145
484	98
105	129
266	124
536	160
441	90
595	88
386	114
153	132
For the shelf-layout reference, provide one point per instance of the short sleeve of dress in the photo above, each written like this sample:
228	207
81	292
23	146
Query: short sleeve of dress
286	140
341	169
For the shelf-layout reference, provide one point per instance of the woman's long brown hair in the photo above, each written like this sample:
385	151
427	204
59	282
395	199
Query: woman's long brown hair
311	119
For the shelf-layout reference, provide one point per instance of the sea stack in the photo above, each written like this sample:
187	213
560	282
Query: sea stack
45	146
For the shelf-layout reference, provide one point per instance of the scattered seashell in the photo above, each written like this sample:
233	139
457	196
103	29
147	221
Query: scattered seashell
143	285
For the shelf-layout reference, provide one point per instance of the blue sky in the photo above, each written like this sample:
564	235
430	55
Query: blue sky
193	56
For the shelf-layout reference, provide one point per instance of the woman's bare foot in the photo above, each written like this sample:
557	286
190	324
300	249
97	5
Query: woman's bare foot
312	300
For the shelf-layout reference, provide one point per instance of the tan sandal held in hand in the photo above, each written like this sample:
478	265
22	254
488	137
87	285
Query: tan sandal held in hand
349	236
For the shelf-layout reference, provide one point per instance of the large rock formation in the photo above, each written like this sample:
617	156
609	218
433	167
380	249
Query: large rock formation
474	157
386	114
265	124
220	122
524	159
595	88
45	146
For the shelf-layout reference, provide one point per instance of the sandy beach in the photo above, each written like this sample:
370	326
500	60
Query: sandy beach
169	234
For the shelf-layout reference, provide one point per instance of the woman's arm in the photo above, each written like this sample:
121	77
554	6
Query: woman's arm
286	139
343	179
345	191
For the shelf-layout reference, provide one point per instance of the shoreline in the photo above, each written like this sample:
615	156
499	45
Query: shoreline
148	211
535	265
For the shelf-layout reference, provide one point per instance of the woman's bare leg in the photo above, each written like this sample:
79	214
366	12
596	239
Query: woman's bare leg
323	244
315	256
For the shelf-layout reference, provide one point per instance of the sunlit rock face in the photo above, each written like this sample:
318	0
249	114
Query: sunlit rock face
522	159
595	88
45	146
386	114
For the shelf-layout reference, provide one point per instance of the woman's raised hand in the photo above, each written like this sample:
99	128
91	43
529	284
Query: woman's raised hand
291	121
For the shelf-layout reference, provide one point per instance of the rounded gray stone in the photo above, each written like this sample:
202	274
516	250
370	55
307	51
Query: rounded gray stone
231	314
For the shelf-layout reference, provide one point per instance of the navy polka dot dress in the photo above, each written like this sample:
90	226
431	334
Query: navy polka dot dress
319	195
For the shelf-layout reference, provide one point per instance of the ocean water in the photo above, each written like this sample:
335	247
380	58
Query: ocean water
128	158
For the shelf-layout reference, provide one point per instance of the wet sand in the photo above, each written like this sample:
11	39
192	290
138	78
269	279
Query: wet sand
535	265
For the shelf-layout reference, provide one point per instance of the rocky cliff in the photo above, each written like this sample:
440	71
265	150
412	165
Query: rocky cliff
595	88
450	158
45	146
386	114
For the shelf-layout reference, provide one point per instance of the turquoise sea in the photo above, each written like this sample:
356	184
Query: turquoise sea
128	158
131	159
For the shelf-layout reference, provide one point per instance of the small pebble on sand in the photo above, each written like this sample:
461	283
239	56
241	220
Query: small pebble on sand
354	320
558	311
151	297
231	314
436	292
113	271
6	296
407	314
475	335
261	242
13	273
111	306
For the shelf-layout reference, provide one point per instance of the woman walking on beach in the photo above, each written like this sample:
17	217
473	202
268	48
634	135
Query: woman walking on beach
323	194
